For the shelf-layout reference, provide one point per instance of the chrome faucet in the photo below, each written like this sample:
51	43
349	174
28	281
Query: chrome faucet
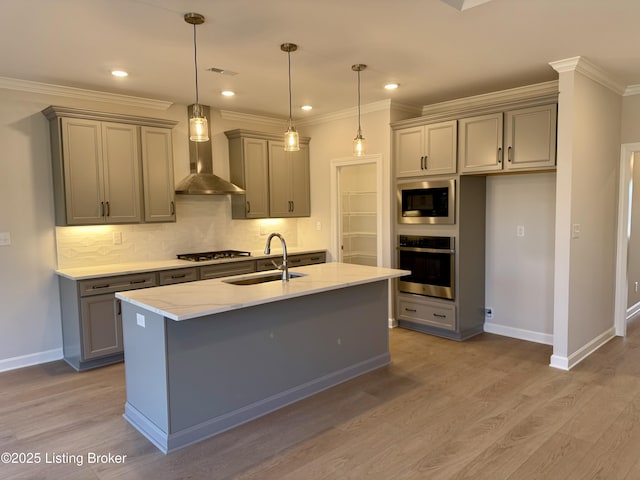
283	267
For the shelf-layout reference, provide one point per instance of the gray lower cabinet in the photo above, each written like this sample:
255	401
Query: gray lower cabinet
91	322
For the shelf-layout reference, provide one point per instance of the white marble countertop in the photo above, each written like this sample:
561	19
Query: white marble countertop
185	301
97	271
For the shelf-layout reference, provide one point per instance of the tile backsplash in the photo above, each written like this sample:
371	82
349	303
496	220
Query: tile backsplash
203	224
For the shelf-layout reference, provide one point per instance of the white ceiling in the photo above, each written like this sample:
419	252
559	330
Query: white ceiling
435	51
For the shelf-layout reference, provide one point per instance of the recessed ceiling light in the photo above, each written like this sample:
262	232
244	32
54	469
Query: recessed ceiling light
306	108
119	73
391	86
227	93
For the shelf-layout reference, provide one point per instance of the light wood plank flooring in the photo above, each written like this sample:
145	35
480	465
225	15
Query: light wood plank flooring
488	408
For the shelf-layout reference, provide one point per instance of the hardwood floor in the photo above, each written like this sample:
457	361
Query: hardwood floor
487	408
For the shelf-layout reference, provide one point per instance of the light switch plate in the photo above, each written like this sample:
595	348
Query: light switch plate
5	239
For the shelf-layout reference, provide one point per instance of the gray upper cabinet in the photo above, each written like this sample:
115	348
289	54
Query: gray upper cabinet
101	165
105	164
157	174
276	182
426	150
529	140
288	181
249	168
480	143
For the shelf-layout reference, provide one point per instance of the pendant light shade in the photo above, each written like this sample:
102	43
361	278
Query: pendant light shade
291	139
198	124
358	142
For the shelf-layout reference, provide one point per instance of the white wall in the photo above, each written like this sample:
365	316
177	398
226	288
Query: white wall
334	139
519	270
589	126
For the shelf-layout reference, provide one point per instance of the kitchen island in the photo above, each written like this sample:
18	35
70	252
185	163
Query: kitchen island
206	356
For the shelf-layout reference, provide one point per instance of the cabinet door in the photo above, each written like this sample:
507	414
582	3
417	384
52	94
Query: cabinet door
83	174
279	192
256	175
157	175
122	182
101	326
288	181
530	140
441	148
409	151
480	143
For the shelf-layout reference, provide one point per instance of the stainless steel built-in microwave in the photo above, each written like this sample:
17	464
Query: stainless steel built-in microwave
429	201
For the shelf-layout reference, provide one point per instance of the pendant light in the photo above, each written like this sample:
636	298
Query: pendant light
291	141
359	141
198	125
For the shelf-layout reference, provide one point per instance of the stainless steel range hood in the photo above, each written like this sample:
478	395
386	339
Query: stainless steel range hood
202	181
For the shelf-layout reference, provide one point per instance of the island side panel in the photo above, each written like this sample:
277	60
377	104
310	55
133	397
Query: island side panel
146	373
228	368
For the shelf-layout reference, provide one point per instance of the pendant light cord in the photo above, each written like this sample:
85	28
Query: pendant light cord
290	96
359	131
195	61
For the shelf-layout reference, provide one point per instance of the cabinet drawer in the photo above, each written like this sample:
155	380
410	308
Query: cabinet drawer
179	275
441	316
307	259
267	263
116	284
227	269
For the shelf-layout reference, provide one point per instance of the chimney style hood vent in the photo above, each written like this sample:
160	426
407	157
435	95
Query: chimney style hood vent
202	181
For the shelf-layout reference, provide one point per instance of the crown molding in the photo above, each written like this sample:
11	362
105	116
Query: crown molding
631	90
478	103
82	94
252	118
589	70
382	105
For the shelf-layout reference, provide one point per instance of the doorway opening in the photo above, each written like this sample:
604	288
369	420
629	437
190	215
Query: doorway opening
357	212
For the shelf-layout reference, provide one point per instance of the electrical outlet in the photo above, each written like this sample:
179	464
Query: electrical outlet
636	286
520	231
140	320
488	313
5	239
117	238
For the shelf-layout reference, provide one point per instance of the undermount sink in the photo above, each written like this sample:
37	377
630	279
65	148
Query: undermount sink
271	277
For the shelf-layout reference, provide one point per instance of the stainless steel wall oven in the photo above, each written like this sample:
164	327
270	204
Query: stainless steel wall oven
432	263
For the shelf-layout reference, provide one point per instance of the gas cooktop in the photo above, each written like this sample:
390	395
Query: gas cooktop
204	256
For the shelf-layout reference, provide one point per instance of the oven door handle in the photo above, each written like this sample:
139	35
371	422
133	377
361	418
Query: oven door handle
425	250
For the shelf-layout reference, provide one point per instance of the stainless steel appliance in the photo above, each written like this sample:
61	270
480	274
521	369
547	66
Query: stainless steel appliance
205	256
429	201
432	264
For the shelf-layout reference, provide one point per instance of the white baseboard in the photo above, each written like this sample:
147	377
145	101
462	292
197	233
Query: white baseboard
567	363
519	333
31	359
633	311
393	323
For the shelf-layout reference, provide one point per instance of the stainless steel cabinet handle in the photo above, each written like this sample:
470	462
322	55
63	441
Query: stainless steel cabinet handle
410	310
108	210
182	275
134	282
96	287
438	315
173	208
248	207
499	154
102	209
422	162
293	206
509	154
118	307
426	162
